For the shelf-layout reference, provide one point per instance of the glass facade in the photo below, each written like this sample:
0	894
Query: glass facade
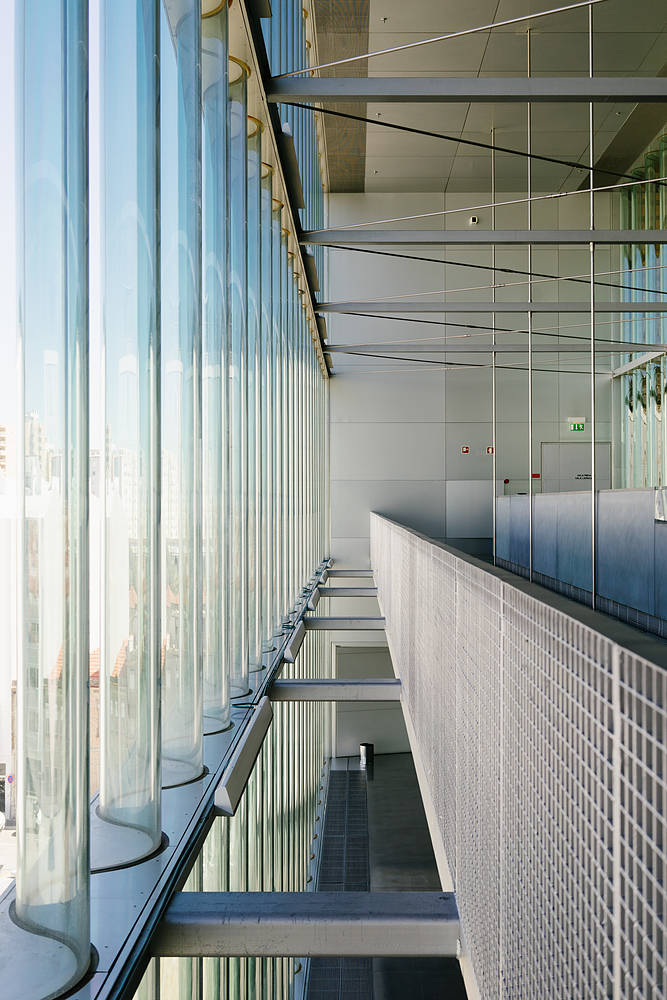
129	471
266	847
180	417
643	429
200	516
52	875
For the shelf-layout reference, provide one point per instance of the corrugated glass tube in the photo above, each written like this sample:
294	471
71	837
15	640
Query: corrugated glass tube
238	380
180	180
52	878
215	417
128	481
254	333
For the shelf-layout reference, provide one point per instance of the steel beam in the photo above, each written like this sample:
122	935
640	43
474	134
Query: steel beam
349	591
632	366
344	624
476	348
237	773
479	237
337	689
350	574
309	924
467	90
399	306
294	645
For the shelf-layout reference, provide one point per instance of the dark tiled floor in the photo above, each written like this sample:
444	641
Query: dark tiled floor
401	858
376	836
343	868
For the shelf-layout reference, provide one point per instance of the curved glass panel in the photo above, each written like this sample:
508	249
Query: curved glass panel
277	440
267	395
52	879
180	243
254	519
238	380
130	778
215	448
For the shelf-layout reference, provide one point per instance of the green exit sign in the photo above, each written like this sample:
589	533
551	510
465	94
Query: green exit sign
577	427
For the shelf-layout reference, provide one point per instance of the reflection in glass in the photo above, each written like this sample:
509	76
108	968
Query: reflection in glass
238	380
180	246
215	447
52	883
130	779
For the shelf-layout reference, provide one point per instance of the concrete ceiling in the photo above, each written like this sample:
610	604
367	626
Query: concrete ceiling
629	40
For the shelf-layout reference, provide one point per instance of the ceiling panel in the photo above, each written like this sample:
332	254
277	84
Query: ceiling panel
630	39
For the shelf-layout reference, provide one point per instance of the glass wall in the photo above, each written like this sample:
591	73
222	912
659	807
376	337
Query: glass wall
643	428
129	471
215	415
180	249
206	480
238	377
266	847
52	878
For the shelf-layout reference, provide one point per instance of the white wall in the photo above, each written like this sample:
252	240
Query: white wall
397	429
380	723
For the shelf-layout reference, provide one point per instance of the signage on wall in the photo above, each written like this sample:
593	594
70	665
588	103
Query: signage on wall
489	450
577	427
577	423
465	449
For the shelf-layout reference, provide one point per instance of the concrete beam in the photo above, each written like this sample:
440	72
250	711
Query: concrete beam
466	90
479	237
338	689
399	306
309	924
345	624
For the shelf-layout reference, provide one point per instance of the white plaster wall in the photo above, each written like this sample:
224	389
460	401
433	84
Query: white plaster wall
380	723
396	435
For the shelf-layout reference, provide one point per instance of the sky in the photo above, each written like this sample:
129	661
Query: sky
7	218
8	373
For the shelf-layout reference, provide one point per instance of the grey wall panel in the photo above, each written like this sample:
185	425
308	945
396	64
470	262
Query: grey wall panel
351	553
372	398
422	504
625	547
476	464
381	724
387	451
466	387
469	508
